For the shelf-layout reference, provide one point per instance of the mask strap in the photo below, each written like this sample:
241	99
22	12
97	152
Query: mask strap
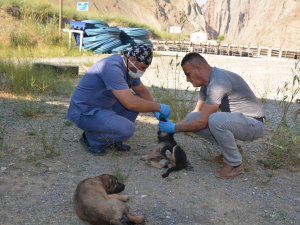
127	65
127	77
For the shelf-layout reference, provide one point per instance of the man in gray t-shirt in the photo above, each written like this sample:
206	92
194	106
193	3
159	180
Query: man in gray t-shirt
227	110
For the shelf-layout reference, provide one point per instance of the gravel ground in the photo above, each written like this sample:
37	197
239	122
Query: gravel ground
38	189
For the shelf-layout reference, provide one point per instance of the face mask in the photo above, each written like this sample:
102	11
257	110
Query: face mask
138	73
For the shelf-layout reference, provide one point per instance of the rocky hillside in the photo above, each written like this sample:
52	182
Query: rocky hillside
273	23
160	14
270	22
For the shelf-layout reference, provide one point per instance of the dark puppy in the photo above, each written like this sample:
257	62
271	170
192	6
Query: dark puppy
169	154
96	202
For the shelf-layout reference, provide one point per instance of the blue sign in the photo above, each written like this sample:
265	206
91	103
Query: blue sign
82	6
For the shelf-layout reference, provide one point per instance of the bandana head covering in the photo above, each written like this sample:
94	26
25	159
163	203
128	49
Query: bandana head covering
142	53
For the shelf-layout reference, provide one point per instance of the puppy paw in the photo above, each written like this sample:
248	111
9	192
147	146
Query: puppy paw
148	162
125	198
164	175
144	158
140	220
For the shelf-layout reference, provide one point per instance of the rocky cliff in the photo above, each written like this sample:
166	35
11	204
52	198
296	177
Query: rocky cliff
273	23
160	14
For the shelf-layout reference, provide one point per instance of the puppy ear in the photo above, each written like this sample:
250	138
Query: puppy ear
103	177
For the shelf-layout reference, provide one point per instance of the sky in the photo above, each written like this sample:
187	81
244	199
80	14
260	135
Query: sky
200	2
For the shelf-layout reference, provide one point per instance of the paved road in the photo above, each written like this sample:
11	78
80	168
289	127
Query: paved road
264	75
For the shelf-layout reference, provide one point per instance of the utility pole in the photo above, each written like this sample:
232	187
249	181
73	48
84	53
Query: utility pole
60	17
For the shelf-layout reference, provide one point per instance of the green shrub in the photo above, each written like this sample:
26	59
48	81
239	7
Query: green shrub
20	38
183	100
49	32
49	145
283	145
32	109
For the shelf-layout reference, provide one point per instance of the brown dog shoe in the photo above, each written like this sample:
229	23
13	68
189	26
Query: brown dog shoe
218	158
228	172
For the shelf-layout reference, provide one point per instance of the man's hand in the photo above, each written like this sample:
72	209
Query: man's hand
167	126
164	111
156	115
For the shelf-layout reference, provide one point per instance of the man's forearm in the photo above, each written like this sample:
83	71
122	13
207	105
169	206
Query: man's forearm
143	92
189	126
146	95
139	104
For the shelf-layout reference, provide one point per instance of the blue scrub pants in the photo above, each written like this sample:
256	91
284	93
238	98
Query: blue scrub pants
224	128
108	126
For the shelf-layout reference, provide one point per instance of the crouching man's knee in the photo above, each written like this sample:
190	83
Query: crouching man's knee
126	131
215	121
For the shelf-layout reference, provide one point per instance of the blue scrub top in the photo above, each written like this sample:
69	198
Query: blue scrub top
94	91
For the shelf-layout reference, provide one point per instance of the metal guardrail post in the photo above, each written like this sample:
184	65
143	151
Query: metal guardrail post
269	52
280	53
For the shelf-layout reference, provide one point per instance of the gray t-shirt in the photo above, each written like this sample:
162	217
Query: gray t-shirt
232	93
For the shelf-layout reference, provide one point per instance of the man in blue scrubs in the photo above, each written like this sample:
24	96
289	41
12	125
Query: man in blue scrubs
108	98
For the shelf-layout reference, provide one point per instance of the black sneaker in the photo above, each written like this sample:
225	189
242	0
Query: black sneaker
119	146
95	150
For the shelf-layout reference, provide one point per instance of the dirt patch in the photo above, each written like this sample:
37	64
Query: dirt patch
42	161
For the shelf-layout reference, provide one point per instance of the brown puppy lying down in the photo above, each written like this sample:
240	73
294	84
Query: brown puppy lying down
169	154
97	202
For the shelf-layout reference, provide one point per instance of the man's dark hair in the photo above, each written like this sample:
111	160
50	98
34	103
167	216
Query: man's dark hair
193	56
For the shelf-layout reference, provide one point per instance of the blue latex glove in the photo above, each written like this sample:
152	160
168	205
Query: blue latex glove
157	115
165	110
167	127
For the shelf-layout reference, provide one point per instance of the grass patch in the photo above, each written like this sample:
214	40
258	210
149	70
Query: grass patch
283	150
283	145
21	78
68	123
120	175
20	38
49	145
183	102
32	109
170	90
2	135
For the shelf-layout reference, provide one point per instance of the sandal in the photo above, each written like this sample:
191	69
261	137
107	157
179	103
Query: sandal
228	172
